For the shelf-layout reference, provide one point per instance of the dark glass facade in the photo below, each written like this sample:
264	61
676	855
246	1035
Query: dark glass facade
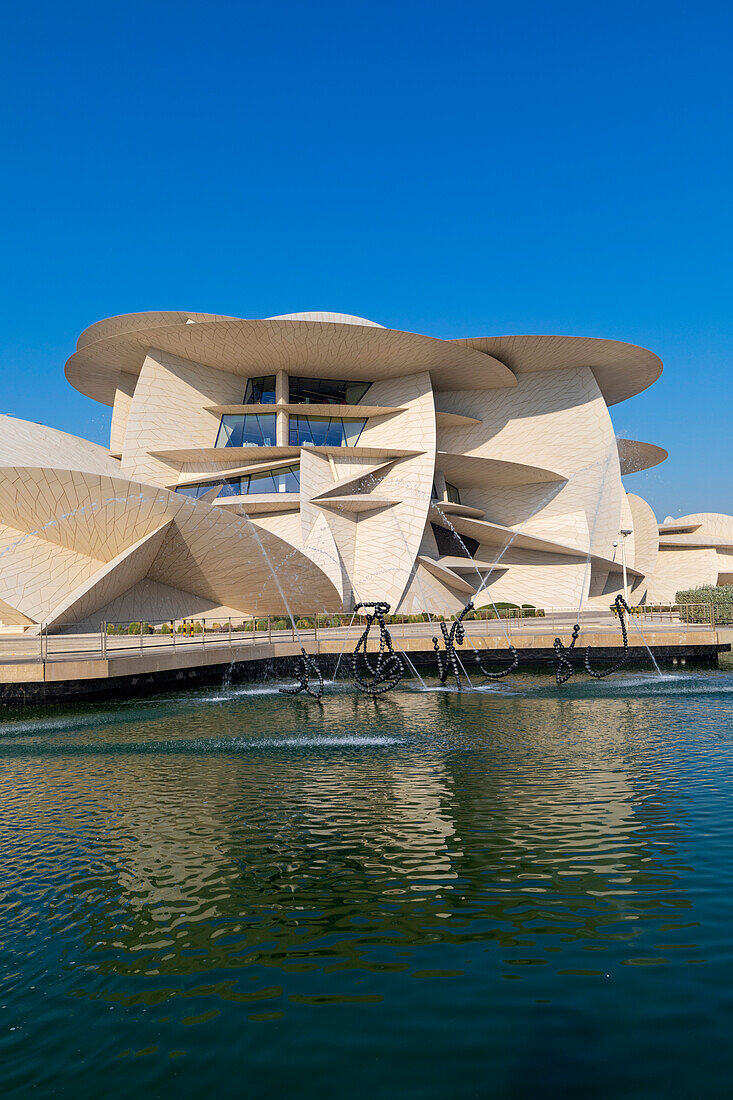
285	479
324	431
326	391
451	544
260	391
247	430
451	493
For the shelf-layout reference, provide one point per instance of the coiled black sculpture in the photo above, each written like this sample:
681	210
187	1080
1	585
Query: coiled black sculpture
455	637
563	666
386	668
306	666
450	639
621	606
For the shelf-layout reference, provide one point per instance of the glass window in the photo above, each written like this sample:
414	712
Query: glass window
198	490
326	391
247	430
325	431
260	391
452	544
285	479
452	493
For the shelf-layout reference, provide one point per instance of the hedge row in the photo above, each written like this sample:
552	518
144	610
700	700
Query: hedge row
719	595
322	621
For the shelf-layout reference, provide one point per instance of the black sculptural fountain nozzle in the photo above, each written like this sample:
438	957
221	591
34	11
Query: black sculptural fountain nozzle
450	660
621	609
385	668
563	666
307	667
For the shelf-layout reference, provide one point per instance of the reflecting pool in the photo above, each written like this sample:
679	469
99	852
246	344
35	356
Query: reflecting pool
510	892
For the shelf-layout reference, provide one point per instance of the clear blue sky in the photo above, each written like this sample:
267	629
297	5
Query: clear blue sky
455	169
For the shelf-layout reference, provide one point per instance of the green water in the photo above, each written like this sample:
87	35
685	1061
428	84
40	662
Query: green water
509	893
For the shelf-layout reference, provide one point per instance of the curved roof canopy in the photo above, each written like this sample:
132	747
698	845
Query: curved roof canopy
335	345
330	349
634	455
621	370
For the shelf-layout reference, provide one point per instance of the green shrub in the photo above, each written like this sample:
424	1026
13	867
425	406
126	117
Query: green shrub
281	624
719	595
133	628
303	624
262	624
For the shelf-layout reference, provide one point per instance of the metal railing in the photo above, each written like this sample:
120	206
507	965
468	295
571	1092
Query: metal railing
137	638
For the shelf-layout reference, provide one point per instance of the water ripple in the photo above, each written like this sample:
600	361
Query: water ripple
509	892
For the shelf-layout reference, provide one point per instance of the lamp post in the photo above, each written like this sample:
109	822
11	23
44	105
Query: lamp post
624	533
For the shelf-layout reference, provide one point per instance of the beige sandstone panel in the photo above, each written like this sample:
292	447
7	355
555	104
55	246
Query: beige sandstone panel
569	529
321	548
10	616
646	536
620	369
699	554
120	412
230	560
168	410
325	350
425	592
679	569
136	322
545	580
210	552
709	529
327	533
286	525
725	567
600	581
25	444
344	475
387	542
35	574
111	581
151	601
317	475
95	516
556	420
635	455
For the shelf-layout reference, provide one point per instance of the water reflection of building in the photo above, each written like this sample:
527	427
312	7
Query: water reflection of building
407	821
